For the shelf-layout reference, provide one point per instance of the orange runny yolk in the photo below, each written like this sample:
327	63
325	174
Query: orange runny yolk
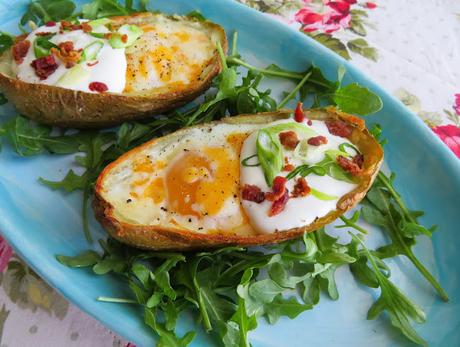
200	182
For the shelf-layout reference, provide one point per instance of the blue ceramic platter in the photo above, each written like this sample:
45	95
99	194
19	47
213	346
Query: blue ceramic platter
40	223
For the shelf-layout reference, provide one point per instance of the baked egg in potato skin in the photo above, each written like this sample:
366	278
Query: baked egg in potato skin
111	70
245	180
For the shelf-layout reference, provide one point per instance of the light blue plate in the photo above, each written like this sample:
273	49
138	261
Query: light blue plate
40	223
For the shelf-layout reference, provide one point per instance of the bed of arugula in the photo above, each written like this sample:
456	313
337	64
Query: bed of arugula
223	287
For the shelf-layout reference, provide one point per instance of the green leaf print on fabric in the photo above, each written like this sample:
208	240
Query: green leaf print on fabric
412	102
361	47
28	291
3	316
332	43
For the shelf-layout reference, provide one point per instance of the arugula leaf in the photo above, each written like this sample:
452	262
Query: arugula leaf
354	98
384	207
6	42
285	307
85	259
69	183
400	308
197	15
43	11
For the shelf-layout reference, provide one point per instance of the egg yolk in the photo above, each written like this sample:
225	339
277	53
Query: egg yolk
199	183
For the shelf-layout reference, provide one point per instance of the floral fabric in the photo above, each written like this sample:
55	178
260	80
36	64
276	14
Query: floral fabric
413	55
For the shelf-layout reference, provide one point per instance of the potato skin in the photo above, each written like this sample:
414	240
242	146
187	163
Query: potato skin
63	107
168	238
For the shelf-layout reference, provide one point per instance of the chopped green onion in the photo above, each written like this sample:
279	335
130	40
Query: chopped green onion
244	162
301	150
270	154
98	35
99	22
42	46
292	126
345	145
333	154
73	76
91	51
322	196
305	170
132	32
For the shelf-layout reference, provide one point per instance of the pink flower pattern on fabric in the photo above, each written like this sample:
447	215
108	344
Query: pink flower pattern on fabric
5	254
328	18
450	134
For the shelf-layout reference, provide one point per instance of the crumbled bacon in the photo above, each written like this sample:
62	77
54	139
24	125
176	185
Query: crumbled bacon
317	140
301	188
352	166
20	50
86	27
299	116
279	204
279	187
289	139
43	33
98	87
93	63
66	25
50	24
288	167
358	159
338	127
124	38
309	122
252	193
44	66
67	54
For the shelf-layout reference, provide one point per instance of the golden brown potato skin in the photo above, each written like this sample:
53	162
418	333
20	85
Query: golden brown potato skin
168	238
70	108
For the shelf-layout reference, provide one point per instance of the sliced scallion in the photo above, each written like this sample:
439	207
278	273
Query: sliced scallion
322	196
343	147
91	51
119	40
99	22
42	46
245	161
270	154
73	76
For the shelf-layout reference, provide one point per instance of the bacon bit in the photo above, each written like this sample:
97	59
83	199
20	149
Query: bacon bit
252	193
289	139
279	204
288	167
351	166
20	50
86	27
309	122
98	87
66	25
50	24
124	38
338	127
43	33
317	140
358	159
67	54
301	188
44	66
299	116
279	187
93	63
